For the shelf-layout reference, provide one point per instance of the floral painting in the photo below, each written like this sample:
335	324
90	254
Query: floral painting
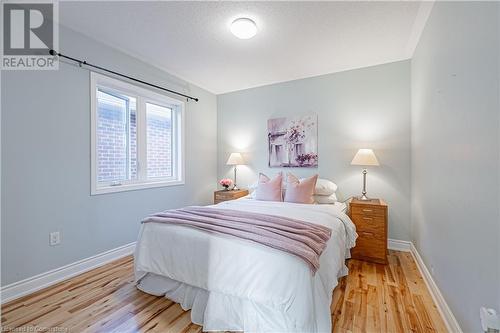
293	141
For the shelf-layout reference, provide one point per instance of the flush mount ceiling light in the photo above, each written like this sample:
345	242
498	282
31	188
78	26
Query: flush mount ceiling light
244	28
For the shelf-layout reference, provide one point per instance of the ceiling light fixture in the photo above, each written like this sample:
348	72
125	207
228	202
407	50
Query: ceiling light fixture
244	28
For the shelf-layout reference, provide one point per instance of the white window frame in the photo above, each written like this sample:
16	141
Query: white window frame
142	96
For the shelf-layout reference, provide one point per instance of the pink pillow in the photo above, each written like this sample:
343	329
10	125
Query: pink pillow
300	191
269	190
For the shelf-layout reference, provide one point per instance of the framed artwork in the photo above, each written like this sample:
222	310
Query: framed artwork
293	141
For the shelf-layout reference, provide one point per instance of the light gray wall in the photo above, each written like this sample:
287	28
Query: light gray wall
455	155
498	225
46	163
367	107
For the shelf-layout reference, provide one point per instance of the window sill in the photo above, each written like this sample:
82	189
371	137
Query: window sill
133	187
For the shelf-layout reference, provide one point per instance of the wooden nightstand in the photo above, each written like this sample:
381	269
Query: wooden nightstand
223	195
370	218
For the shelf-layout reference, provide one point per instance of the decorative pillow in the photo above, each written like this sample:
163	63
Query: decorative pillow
300	191
324	187
325	199
269	190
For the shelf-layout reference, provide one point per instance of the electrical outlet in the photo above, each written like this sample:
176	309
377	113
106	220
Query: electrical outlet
54	238
490	320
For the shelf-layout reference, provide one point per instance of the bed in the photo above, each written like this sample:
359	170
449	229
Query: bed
232	284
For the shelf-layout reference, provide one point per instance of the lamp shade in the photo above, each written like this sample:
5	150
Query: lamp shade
235	159
365	157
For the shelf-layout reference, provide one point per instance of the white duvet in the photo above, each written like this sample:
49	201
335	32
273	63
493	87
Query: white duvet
238	285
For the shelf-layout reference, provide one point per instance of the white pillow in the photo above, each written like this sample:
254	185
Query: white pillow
325	199
324	187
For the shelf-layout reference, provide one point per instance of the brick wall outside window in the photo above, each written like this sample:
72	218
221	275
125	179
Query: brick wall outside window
112	142
113	138
133	144
159	153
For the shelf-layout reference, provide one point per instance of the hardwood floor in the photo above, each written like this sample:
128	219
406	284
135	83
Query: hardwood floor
378	298
373	298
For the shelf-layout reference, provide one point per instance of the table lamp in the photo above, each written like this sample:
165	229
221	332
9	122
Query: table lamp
235	159
365	157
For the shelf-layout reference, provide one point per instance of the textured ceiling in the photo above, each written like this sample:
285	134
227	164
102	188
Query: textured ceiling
295	39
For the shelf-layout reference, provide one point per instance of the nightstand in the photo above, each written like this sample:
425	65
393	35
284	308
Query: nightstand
223	195
370	218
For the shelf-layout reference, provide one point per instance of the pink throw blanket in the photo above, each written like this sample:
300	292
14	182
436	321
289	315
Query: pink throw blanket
302	239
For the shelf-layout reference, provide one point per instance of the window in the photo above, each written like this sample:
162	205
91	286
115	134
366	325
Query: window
136	137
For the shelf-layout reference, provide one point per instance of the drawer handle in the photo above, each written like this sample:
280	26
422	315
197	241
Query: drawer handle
367	218
367	210
367	233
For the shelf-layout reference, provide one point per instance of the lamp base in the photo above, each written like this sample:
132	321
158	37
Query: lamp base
235	188
363	198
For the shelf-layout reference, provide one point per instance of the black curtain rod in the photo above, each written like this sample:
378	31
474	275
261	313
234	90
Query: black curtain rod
83	62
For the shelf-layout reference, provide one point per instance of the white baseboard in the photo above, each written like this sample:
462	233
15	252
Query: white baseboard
40	281
443	308
399	245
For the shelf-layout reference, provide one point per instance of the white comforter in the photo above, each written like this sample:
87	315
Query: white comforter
249	286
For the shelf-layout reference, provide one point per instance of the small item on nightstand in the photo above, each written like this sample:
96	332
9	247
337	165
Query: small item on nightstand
226	182
370	218
223	195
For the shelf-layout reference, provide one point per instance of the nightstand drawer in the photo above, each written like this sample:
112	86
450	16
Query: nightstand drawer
223	195
364	233
226	195
369	210
369	222
370	248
